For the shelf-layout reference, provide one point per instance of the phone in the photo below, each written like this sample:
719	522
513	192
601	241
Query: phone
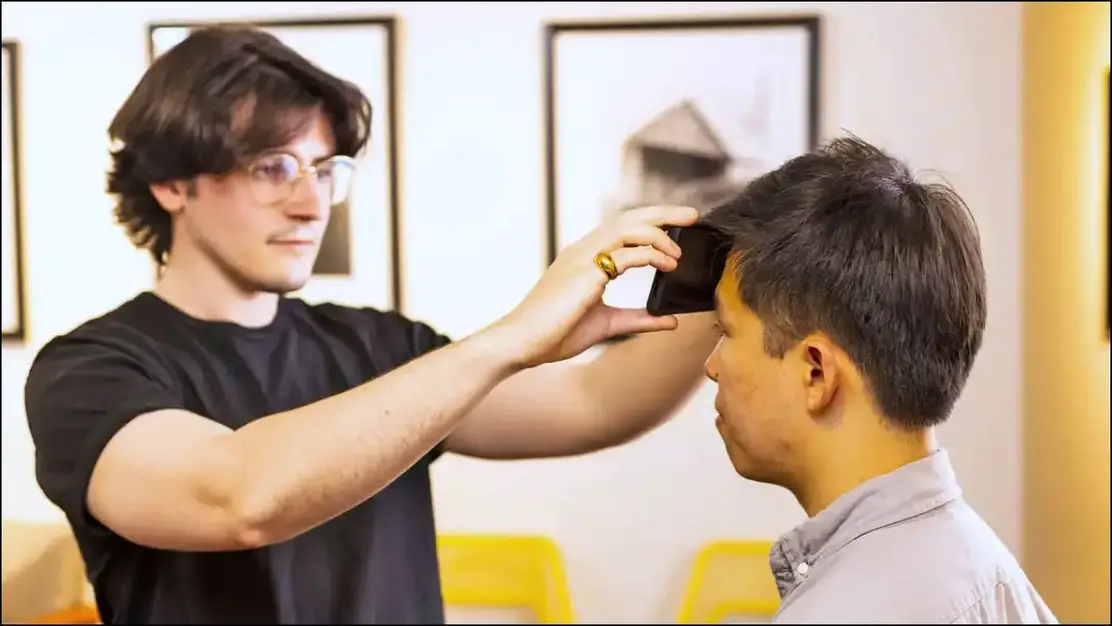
690	287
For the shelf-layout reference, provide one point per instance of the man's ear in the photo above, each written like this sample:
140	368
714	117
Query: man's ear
171	195
821	372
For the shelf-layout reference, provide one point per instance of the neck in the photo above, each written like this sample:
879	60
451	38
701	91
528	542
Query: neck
200	289
851	457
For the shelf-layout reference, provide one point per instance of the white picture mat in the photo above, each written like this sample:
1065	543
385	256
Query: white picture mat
752	84
358	53
11	297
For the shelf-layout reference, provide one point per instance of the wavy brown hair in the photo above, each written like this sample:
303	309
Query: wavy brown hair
211	104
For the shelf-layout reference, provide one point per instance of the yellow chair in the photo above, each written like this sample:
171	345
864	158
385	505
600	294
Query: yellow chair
730	578
505	571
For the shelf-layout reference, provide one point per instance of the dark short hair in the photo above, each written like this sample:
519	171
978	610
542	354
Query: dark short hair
846	241
211	104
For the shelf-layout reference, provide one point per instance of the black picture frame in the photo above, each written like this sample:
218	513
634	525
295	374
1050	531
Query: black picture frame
678	119
333	279
15	287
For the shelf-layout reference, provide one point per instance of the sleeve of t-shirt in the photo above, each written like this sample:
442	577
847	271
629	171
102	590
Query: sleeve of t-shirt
418	339
407	339
424	339
79	393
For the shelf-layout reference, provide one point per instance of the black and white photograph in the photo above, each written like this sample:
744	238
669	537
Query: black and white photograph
14	327
670	112
359	261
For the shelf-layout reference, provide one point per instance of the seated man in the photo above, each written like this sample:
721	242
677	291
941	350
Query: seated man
851	312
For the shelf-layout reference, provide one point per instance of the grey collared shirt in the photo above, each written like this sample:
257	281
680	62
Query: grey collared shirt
902	548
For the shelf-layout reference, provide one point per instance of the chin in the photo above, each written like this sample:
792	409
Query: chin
754	469
745	464
282	285
749	472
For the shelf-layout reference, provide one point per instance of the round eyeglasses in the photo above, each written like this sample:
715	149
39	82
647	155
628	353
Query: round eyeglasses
274	178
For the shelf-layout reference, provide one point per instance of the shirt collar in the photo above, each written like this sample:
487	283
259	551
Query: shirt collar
901	494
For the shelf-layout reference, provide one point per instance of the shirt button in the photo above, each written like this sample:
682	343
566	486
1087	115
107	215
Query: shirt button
802	569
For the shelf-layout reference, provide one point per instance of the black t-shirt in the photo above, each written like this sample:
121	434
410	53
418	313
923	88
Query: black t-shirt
374	564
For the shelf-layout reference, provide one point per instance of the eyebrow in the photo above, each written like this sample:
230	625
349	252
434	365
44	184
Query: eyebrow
291	153
322	159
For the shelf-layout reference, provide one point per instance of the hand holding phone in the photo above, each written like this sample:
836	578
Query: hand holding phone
690	287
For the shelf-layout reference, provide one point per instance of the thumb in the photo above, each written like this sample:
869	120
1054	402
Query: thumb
633	321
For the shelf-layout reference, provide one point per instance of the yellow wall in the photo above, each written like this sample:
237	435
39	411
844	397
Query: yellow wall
1066	360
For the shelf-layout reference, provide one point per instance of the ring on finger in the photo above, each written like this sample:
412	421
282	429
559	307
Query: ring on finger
605	262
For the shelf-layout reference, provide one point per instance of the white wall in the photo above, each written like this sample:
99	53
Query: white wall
936	83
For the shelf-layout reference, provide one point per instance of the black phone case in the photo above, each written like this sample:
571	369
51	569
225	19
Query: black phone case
659	301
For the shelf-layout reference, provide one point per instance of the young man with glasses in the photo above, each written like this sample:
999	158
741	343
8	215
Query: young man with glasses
227	454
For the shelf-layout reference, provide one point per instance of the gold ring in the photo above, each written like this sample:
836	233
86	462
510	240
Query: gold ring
605	262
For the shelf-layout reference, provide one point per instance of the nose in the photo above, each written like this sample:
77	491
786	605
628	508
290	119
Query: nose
710	368
309	201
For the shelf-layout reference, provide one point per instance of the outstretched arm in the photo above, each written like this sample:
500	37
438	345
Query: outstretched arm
567	408
114	441
115	444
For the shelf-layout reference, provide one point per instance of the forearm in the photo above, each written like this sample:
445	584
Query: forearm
563	409
635	385
303	467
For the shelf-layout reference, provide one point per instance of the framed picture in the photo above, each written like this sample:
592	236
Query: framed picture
670	112
14	300
360	257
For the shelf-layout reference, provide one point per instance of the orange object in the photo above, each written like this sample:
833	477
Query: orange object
75	615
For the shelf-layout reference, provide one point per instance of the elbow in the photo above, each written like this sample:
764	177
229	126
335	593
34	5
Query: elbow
256	503
252	521
629	430
246	536
246	511
604	425
248	528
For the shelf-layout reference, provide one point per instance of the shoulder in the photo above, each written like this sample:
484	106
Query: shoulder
389	331
1012	601
115	340
111	360
928	569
